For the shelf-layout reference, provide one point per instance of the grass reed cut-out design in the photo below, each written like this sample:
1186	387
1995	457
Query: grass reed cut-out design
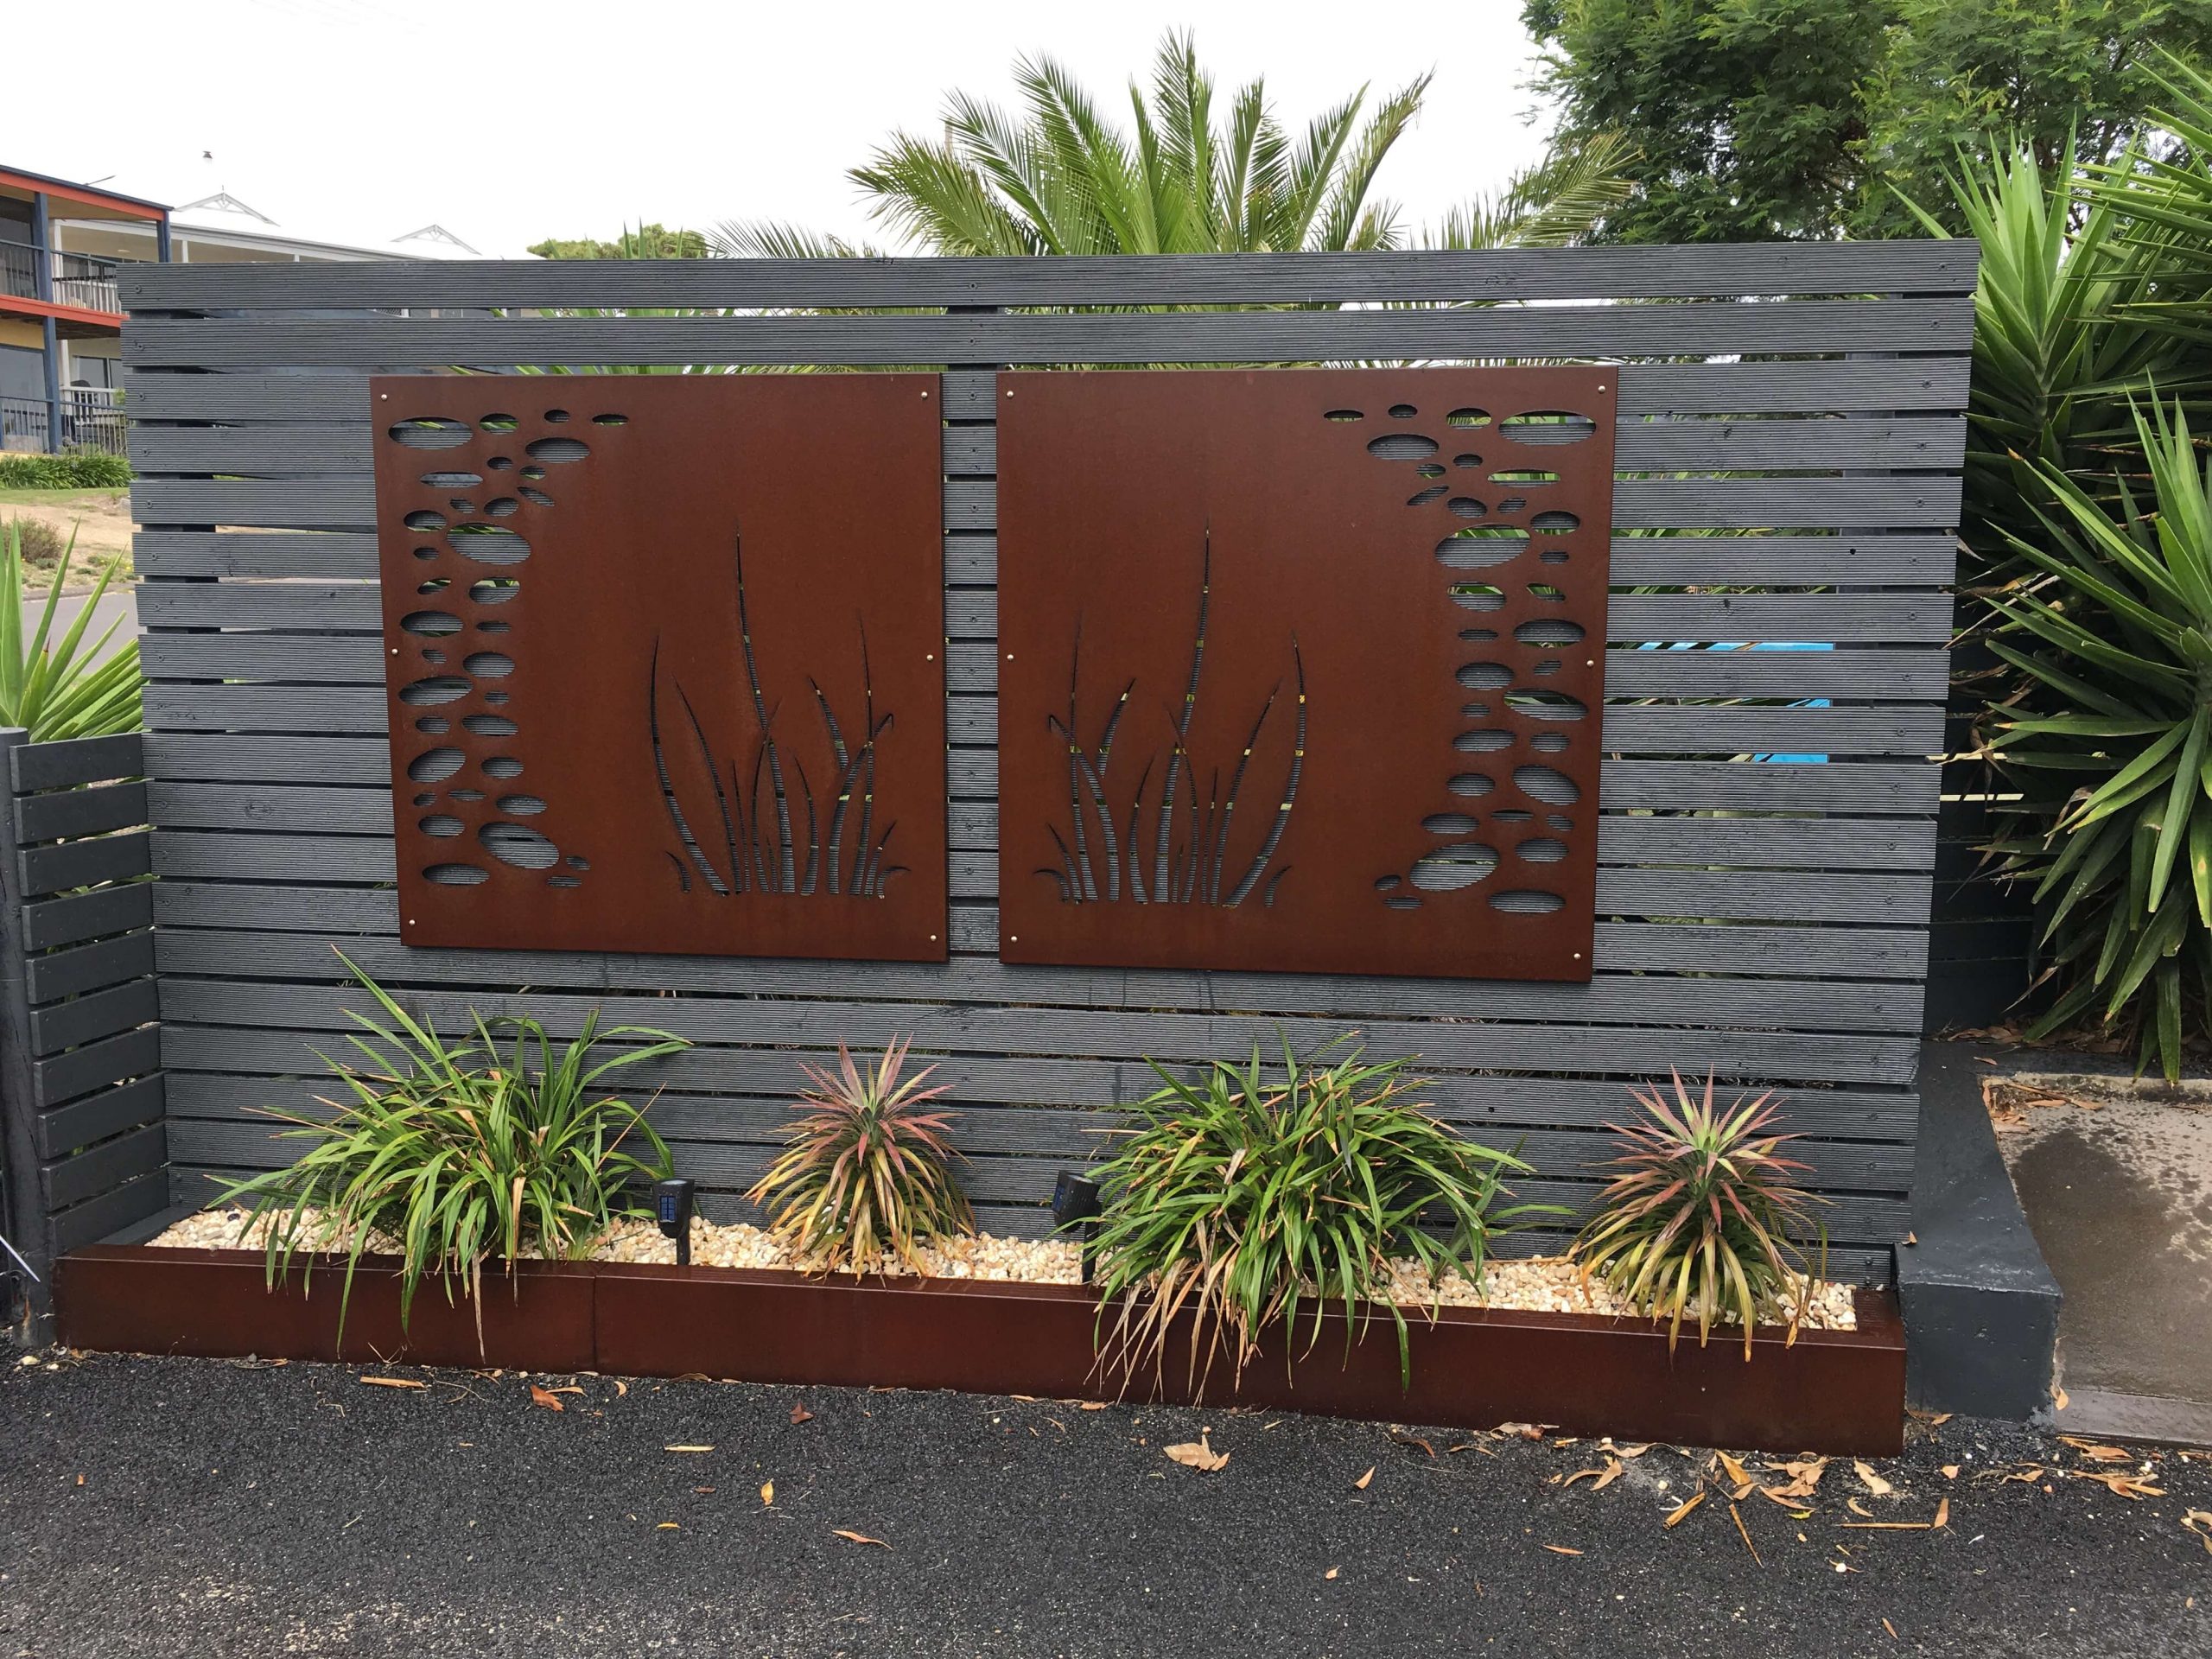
763	848
1181	838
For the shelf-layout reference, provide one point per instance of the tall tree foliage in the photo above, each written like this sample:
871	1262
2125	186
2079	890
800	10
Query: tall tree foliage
1797	117
1188	172
646	242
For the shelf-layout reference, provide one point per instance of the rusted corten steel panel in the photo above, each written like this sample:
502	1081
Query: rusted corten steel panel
1303	669
666	658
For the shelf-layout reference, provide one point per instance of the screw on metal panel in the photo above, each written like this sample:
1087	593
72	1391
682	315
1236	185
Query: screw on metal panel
1009	656
928	656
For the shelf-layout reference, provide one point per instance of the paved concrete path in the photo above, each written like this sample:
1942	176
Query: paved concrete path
113	607
169	1507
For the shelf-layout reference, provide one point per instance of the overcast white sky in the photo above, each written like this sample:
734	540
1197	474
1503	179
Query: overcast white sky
511	122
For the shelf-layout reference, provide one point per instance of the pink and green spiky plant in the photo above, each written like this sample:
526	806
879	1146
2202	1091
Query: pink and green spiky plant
1701	1216
865	1172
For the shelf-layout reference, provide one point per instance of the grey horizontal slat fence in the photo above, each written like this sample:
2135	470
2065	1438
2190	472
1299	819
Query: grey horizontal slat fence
85	1144
1787	474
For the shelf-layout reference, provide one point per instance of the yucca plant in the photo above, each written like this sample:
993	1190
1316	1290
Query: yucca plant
1248	1194
57	688
2115	646
1699	1220
864	1170
463	1153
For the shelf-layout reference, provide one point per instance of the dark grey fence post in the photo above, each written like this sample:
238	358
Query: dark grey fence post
81	1086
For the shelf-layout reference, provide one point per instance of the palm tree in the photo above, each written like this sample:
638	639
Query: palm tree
1063	180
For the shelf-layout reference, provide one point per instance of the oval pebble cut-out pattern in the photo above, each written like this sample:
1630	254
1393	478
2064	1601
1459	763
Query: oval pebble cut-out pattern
1470	783
521	806
519	845
1402	446
457	875
430	624
486	544
1450	868
1541	426
1448	823
437	688
1489	741
489	725
1550	631
1541	850
432	432
1538	704
1522	902
1546	784
489	664
1484	677
554	452
435	764
439	823
1466	551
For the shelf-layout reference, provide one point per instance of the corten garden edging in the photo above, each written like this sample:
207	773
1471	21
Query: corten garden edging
1832	1391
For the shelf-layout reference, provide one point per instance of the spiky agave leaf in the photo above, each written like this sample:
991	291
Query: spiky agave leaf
864	1171
1701	1214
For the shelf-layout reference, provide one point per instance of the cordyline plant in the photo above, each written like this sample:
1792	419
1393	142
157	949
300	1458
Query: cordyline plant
57	688
865	1171
1245	1196
2114	639
462	1153
1699	1217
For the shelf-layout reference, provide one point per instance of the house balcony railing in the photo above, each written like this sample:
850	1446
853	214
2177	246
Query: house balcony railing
88	417
82	280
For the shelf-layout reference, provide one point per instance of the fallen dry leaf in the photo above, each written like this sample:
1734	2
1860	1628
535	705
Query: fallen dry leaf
857	1537
2058	1399
1090	1405
1199	1454
1562	1549
1891	1628
801	1414
704	1492
1939	1419
1526	1430
621	1389
1331	1573
1744	1532
2096	1453
393	1382
2128	1486
1412	1440
1685	1506
2200	1523
687	1448
666	1526
1950	1471
1624	1452
767	1492
1942	1513
1857	1508
1873	1482
1359	1485
546	1398
1733	1470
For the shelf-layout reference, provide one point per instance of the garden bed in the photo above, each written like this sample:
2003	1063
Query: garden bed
1832	1390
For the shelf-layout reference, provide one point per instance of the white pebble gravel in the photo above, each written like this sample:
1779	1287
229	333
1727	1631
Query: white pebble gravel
1547	1284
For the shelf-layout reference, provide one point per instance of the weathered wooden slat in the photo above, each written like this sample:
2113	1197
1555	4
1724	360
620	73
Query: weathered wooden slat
52	922
88	1019
1078	1134
266	449
135	1054
1816	387
89	967
119	1207
66	1128
1904	500
1450	277
1609	999
83	863
101	1168
974	1036
1865	952
74	760
80	811
1944	324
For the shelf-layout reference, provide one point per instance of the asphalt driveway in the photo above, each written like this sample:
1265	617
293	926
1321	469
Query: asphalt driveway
202	1508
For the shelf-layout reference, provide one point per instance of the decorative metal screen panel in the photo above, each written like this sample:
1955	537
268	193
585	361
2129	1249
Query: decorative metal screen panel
1303	669
665	661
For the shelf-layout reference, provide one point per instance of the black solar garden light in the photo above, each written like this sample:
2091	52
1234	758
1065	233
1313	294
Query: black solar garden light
1075	1198
672	1205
